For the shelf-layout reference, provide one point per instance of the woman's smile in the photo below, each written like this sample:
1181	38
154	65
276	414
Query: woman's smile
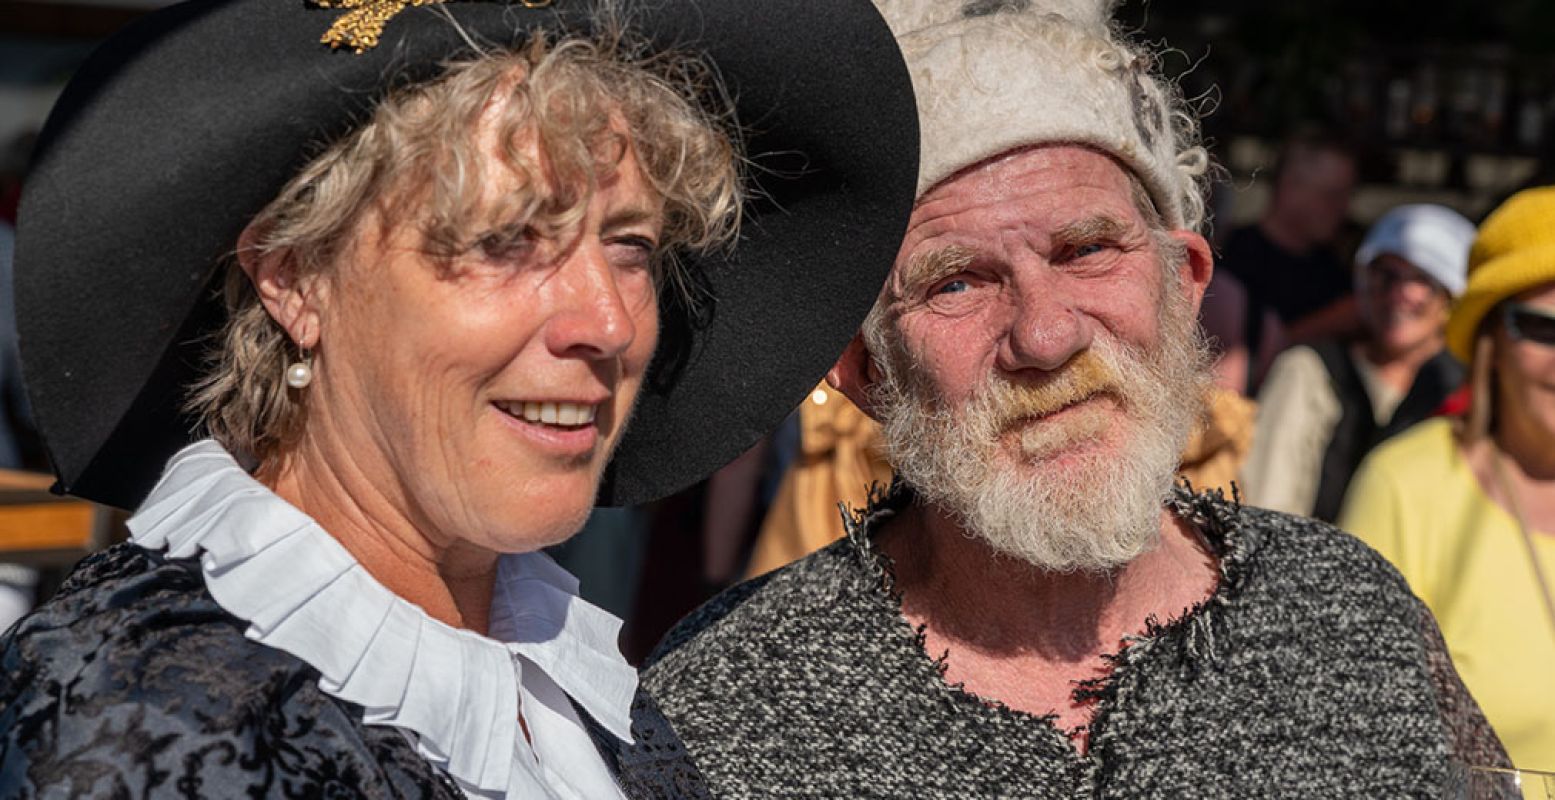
561	428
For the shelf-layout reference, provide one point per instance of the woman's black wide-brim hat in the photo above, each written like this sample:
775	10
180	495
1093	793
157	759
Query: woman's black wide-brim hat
182	127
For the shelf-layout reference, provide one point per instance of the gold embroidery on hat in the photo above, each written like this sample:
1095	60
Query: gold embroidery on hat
359	27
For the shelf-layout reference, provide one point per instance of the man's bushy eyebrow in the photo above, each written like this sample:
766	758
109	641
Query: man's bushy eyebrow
925	269
1098	228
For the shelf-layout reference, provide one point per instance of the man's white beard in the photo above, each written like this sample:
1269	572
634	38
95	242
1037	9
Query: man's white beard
1093	513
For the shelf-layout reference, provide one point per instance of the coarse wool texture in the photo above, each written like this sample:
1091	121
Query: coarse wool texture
1311	672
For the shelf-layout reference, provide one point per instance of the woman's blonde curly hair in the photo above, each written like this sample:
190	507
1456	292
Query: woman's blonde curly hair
420	151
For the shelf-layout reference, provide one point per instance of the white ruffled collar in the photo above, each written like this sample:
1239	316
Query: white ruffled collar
268	563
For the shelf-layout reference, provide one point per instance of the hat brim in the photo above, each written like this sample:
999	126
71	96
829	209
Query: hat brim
1491	282
181	128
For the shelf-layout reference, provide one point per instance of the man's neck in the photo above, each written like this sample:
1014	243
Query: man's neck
1024	636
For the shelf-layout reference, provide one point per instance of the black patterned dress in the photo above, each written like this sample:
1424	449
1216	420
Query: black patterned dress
133	682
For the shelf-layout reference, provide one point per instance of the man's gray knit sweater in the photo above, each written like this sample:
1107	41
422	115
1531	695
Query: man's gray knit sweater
1311	672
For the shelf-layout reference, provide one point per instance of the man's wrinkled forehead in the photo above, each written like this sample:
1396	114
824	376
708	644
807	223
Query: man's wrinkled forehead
1032	170
1033	192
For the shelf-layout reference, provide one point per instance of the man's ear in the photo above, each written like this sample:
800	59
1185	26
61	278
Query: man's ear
290	300
855	374
1197	268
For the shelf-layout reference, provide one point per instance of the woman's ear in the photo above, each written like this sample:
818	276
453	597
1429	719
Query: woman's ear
854	374
290	300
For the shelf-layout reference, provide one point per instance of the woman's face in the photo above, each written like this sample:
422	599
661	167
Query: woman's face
1404	309
1525	373
482	401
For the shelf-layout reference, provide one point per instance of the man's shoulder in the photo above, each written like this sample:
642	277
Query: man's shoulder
1285	537
1274	556
742	616
1301	560
1369	651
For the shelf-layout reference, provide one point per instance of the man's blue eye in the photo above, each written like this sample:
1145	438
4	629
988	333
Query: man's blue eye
1087	249
951	287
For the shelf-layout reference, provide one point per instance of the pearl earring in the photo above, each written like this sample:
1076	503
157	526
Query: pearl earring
300	373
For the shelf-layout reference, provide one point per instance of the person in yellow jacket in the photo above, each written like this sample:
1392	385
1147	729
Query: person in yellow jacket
1465	508
841	455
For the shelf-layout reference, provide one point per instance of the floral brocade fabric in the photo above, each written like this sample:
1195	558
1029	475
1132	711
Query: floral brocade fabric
133	682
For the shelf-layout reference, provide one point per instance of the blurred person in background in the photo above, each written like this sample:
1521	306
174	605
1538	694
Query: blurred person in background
405	300
1324	406
1465	508
1281	281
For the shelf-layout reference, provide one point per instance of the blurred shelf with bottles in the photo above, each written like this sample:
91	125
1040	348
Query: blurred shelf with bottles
1450	102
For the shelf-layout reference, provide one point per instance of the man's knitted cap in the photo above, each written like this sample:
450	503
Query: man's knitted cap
1515	252
1434	238
995	75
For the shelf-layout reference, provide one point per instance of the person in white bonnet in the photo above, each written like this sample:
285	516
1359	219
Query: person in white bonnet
1032	609
1325	406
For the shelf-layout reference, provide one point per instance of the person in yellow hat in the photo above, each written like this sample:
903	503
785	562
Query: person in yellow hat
1465	508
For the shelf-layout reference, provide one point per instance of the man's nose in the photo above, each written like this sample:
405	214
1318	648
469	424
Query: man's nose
593	319
1046	328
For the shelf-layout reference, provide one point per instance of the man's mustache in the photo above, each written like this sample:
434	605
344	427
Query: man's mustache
1007	403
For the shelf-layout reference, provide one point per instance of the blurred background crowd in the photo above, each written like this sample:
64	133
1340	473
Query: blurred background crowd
1363	148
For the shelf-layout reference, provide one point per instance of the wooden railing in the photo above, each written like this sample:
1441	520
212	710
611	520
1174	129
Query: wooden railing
38	528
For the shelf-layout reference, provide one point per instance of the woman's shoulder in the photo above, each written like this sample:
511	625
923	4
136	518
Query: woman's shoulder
132	627
131	597
132	680
91	584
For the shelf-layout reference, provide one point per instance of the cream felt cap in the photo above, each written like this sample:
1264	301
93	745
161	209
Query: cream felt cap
995	75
